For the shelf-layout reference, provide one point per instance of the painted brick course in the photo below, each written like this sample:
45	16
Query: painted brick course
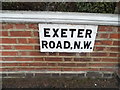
21	52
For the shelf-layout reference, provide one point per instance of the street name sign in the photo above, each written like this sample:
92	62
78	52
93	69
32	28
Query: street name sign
67	38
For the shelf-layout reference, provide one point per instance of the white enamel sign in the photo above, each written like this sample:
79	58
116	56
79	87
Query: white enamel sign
67	38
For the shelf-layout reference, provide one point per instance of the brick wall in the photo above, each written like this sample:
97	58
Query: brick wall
21	53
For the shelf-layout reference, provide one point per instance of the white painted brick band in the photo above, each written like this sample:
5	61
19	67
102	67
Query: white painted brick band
59	17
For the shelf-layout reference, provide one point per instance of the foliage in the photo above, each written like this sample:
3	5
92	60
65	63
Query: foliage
96	7
90	7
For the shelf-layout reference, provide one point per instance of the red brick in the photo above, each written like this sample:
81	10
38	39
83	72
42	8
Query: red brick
20	33
23	59
41	68
3	33
113	54
102	28
82	59
37	64
105	28
53	59
114	49
20	26
106	42
37	47
32	26
104	35
25	69
116	43
1	69
8	26
22	40
118	29
9	40
83	54
109	60
53	69
86	69
67	64
8	53
1	26
107	69
36	34
23	64
99	54
32	40
9	64
1	47
110	28
119	55
116	35
1	58
8	58
23	53
51	64
5	69
48	60
52	54
38	59
0	52
7	46
81	64
93	69
36	53
67	59
97	42
1	40
96	59
67	54
19	47
67	69
102	65
99	48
